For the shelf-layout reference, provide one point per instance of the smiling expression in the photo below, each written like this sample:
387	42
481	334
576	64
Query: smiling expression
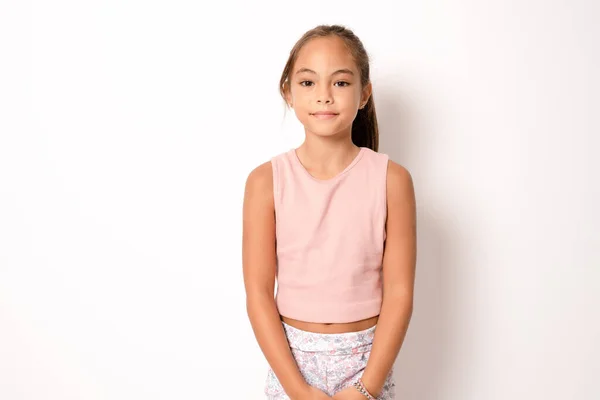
324	89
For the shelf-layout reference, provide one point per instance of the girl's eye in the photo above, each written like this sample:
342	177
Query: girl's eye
339	83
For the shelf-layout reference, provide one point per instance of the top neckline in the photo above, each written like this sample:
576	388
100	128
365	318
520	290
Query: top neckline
297	161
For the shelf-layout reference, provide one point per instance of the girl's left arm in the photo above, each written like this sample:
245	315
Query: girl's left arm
399	263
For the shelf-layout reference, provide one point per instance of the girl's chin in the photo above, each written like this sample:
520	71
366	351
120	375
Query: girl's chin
319	131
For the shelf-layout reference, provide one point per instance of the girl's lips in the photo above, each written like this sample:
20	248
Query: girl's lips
324	115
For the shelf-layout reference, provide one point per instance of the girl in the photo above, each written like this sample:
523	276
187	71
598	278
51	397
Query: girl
333	223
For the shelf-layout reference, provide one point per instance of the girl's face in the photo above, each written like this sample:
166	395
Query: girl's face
325	90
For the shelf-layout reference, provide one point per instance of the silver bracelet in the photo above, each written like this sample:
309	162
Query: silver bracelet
361	388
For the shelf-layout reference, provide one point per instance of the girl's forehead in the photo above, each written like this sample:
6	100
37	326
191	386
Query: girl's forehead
325	53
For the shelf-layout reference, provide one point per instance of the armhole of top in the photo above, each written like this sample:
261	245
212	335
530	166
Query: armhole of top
386	165
275	169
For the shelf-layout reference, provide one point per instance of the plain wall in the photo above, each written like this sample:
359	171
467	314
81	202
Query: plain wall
128	129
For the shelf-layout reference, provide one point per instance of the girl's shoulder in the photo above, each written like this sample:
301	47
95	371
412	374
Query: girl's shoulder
265	168
376	159
260	177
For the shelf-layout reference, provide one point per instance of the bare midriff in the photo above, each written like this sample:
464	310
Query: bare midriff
332	327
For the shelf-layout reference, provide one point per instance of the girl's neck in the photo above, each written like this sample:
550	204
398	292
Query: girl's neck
327	155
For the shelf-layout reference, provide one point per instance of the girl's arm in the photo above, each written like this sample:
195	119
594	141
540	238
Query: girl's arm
399	261
259	265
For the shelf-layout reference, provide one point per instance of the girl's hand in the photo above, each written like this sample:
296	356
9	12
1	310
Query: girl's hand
312	393
350	393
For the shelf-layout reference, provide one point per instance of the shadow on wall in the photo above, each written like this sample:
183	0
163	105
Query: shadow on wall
425	362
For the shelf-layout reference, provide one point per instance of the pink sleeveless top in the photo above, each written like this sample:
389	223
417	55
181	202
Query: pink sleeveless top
330	239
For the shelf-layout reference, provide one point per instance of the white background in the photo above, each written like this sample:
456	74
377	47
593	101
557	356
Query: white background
128	129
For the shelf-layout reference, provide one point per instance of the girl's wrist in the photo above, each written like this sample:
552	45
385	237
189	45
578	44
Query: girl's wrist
372	387
360	386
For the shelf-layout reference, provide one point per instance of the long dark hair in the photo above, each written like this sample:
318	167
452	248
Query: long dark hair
365	132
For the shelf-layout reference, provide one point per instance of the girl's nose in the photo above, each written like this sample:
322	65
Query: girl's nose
324	96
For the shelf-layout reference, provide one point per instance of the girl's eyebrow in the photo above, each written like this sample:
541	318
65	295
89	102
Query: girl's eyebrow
339	71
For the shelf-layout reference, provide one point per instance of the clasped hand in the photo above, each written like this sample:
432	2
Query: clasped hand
350	393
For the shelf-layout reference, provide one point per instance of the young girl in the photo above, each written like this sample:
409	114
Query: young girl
333	223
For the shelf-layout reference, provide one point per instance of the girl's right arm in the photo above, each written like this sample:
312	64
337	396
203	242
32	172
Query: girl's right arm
259	265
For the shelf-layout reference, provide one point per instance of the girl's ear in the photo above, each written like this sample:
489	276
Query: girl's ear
366	93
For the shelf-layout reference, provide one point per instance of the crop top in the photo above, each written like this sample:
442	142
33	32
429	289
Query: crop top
330	238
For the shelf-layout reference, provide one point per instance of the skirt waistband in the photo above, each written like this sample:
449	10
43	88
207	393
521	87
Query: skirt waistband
330	343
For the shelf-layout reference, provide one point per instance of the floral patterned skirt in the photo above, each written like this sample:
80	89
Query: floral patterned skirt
329	361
